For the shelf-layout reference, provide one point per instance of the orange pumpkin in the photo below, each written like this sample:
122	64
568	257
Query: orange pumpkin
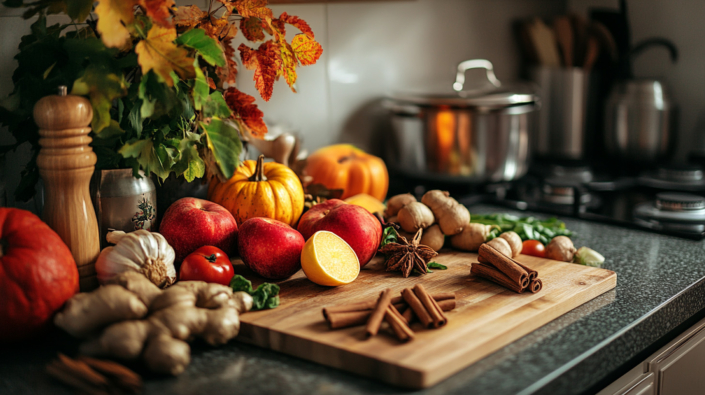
343	166
259	189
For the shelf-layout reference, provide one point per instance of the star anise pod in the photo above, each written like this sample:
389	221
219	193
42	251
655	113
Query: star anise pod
405	256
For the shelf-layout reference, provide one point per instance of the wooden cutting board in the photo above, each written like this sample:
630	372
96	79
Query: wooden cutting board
487	317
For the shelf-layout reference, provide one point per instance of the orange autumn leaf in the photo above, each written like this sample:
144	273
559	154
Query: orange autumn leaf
113	15
288	69
279	28
252	29
246	112
256	8
229	72
266	61
159	53
297	23
189	16
307	50
158	10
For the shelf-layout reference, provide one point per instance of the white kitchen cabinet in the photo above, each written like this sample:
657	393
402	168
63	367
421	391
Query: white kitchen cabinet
676	369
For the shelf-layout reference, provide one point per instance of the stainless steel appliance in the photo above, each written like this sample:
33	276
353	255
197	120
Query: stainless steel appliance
639	121
463	135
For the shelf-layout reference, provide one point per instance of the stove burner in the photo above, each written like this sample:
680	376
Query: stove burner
553	191
675	178
670	201
680	173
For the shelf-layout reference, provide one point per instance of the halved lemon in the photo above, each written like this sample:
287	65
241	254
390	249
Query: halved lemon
329	260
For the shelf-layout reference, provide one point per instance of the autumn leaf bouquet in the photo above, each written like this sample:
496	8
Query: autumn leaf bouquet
161	79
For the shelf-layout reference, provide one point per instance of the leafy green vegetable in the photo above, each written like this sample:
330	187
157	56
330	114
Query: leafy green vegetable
528	228
266	296
389	235
436	265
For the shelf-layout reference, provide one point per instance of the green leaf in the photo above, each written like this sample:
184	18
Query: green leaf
104	87
78	10
216	106
389	235
157	98
241	284
112	130
150	158
436	265
200	88
207	47
266	296
224	144
190	164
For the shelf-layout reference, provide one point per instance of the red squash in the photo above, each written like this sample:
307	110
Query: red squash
37	274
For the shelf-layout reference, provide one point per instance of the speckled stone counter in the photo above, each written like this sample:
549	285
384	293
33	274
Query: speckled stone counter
660	292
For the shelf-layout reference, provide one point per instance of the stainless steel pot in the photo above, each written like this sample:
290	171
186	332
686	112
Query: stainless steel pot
471	136
639	121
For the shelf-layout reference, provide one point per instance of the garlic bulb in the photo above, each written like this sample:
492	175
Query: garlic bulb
140	251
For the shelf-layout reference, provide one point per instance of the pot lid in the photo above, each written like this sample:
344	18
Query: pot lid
492	94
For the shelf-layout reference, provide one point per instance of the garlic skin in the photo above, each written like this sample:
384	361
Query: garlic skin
140	251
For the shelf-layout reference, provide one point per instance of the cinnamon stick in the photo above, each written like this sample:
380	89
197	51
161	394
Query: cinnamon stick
417	307
408	314
117	373
491	273
378	313
438	319
447	305
347	319
535	286
533	274
504	264
396	321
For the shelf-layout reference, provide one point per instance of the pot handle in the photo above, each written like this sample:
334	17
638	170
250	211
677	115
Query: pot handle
474	64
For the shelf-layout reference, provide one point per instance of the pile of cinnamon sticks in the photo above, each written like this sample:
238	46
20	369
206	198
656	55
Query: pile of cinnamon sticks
505	271
94	376
400	311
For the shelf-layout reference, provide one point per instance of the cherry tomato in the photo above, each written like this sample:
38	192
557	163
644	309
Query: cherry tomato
209	264
534	248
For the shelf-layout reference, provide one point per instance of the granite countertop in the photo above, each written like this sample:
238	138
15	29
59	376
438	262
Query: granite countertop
659	293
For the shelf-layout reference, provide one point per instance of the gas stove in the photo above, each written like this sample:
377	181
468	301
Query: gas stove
668	200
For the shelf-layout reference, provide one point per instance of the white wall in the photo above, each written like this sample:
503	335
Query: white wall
370	50
683	22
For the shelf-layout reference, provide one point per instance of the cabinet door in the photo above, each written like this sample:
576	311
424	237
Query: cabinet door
644	386
683	372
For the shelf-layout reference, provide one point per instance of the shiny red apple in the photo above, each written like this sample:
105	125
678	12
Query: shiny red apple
270	248
360	229
190	223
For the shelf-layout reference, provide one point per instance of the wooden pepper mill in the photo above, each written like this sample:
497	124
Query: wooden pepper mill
66	164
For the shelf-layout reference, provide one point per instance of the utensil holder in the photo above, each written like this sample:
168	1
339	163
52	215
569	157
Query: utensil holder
560	129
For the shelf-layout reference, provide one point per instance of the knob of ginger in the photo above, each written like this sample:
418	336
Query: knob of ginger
450	215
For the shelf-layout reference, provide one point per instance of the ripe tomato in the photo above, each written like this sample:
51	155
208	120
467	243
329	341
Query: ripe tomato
534	248
209	264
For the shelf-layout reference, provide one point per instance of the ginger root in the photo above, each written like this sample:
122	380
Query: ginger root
450	215
472	237
178	314
431	237
395	203
415	216
560	248
514	242
86	312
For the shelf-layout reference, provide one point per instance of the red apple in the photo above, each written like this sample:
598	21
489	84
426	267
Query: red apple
190	223
270	248
360	229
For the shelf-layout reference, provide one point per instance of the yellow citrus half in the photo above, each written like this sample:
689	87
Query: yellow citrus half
328	260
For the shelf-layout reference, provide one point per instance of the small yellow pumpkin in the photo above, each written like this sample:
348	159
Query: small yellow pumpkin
259	189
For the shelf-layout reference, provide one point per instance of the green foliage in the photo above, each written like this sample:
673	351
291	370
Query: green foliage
266	296
139	122
528	228
389	235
